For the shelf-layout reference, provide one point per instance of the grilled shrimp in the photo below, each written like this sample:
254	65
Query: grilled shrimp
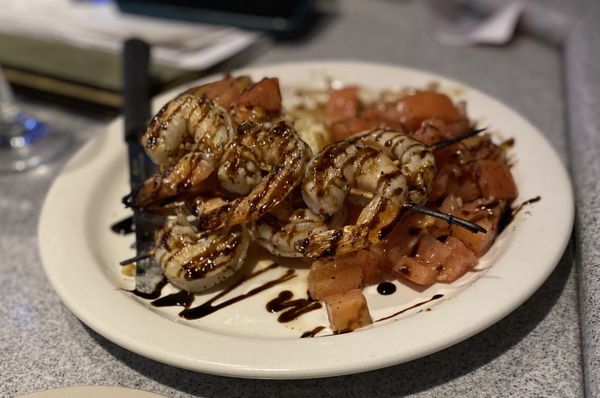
256	150
331	175
186	139
279	234
195	261
289	222
417	162
187	123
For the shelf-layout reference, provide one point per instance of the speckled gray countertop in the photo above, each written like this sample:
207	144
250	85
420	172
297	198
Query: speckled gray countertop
535	351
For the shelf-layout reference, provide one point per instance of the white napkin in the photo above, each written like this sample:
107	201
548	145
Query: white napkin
454	25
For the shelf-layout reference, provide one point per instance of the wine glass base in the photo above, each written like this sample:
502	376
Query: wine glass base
15	159
26	142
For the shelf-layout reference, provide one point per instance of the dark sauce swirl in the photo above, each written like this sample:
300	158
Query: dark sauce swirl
181	298
292	309
156	293
508	215
312	333
435	297
208	308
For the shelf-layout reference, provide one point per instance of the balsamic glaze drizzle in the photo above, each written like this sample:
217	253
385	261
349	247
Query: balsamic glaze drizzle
508	215
181	298
386	288
152	295
292	309
208	308
312	333
435	297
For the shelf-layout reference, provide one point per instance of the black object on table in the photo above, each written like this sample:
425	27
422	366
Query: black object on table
136	110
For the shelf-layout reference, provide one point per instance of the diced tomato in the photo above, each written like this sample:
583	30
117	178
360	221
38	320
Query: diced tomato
343	129
225	91
333	277
464	187
479	242
348	311
494	179
432	251
229	97
431	131
213	89
402	240
413	269
413	109
460	261
451	205
374	264
440	182
342	104
265	94
486	216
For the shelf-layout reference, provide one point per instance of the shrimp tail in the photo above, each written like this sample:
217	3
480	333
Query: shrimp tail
185	176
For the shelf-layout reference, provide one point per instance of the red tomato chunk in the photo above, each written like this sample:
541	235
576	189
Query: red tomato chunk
494	179
343	104
333	277
348	311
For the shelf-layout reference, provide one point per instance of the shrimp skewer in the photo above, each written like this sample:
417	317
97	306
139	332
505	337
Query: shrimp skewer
289	222
415	160
339	170
195	261
255	148
330	176
186	139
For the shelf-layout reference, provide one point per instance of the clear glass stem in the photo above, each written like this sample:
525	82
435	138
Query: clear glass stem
9	127
8	107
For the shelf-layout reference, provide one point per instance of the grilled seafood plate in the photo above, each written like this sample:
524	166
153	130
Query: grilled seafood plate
233	170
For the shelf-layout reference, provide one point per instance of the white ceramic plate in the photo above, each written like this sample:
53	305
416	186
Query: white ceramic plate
81	257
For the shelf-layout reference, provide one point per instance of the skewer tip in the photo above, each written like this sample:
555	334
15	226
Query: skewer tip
139	257
127	200
449	218
454	140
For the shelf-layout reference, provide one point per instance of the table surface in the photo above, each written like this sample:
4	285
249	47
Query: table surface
535	351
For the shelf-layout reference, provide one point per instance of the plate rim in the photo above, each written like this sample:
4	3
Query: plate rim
60	281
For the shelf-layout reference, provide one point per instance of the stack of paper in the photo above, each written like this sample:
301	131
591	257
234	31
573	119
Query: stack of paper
100	25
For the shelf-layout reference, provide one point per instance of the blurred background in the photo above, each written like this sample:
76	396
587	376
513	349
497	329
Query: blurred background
70	49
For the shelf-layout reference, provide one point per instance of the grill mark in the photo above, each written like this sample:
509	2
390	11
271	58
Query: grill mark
212	219
382	206
165	124
400	141
201	264
321	165
333	244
